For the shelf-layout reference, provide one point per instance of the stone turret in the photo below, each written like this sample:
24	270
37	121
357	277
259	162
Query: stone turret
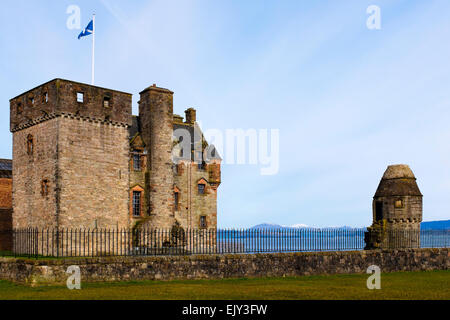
397	211
156	115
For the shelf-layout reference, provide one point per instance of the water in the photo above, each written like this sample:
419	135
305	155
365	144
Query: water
254	241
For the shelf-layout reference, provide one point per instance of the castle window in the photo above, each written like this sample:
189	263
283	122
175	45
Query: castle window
137	195
137	162
19	108
202	166
201	188
44	188
30	144
80	97
31	100
45	98
378	211
398	203
203	223
177	200
106	102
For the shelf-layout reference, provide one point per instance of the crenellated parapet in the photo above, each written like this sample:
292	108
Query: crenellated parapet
68	98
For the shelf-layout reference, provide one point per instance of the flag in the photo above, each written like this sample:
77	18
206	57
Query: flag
88	30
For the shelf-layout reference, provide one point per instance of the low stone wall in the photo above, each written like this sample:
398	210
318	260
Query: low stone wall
222	266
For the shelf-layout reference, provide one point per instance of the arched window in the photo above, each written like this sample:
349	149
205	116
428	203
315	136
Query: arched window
30	144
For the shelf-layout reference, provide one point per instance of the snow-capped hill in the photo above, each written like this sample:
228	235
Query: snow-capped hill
267	226
299	226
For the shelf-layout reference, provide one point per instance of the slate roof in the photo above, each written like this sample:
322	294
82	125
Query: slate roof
5	168
398	180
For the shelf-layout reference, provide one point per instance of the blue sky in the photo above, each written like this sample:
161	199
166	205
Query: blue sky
348	101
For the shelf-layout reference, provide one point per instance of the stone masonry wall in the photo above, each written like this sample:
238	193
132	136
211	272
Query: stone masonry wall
94	174
31	207
193	205
37	272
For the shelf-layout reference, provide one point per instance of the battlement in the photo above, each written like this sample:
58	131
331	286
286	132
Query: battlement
61	97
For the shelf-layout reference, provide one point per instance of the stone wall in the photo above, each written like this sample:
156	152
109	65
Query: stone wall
223	266
94	175
32	208
193	205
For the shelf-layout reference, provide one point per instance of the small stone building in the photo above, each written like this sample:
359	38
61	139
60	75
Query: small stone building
397	211
82	160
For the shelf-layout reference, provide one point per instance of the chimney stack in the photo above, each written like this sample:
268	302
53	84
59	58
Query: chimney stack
191	116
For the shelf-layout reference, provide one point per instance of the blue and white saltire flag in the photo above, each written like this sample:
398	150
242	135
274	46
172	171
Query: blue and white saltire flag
88	30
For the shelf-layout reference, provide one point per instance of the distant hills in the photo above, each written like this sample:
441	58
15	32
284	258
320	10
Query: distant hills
428	225
295	226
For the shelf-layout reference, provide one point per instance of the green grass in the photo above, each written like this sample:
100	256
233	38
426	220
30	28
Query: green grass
400	285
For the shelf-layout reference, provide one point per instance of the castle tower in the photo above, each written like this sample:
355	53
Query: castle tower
70	156
156	117
397	211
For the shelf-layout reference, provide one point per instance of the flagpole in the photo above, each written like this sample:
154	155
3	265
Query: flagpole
93	50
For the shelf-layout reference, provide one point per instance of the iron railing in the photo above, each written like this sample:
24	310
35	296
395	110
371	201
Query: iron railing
150	242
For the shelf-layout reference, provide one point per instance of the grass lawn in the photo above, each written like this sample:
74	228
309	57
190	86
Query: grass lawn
399	285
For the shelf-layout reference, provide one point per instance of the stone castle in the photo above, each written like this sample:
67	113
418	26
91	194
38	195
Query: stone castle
82	160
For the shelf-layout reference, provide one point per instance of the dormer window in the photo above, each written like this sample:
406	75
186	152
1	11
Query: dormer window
137	162
80	97
30	144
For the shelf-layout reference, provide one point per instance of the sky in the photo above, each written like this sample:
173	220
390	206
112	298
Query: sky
347	100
